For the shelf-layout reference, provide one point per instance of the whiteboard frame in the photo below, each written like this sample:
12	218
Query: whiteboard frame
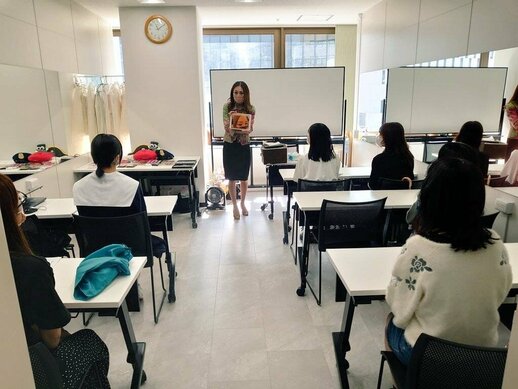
304	130
410	133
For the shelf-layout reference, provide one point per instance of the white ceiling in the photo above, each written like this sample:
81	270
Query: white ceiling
228	13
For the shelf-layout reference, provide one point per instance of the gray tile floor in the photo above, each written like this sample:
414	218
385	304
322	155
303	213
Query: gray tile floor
237	321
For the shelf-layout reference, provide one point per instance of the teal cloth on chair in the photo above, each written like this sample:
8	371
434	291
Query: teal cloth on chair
99	269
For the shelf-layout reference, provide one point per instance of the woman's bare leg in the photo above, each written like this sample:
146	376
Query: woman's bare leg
233	197
244	187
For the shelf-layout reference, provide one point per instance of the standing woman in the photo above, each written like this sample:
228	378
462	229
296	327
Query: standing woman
396	161
236	149
511	109
82	356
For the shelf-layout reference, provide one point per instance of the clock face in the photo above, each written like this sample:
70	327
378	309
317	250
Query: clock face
158	29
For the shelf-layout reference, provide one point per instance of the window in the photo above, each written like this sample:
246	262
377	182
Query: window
309	50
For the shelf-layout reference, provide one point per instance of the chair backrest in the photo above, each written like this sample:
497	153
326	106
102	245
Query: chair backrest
497	181
487	221
93	233
351	224
46	240
438	363
45	368
388	183
316	186
417	184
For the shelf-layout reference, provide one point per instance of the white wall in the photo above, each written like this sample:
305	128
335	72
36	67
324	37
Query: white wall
15	368
404	32
163	81
46	38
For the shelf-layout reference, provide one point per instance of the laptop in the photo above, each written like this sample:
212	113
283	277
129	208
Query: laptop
31	202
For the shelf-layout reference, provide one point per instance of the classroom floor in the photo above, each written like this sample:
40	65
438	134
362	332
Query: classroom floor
237	321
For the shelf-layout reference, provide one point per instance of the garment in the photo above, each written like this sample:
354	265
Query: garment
449	294
79	353
113	194
236	149
308	169
39	301
389	165
511	109
510	168
99	269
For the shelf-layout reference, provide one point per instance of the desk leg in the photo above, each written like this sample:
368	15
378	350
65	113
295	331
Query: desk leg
171	266
270	216
192	200
341	340
195	191
136	350
286	217
303	259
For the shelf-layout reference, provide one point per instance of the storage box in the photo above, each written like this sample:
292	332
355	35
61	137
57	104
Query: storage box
274	155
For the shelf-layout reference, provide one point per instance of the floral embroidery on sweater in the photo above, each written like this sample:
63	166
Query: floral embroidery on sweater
419	265
504	260
410	283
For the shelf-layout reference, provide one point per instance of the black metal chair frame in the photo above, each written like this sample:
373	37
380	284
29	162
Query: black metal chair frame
339	229
471	366
139	243
313	186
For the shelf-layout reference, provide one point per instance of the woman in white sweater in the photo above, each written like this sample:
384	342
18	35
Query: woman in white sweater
320	163
452	276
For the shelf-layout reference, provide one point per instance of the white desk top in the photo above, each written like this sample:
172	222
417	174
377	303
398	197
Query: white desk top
354	266
512	190
397	199
11	168
163	166
64	208
112	297
345	172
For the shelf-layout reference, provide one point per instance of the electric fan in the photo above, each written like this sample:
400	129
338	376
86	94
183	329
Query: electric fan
215	198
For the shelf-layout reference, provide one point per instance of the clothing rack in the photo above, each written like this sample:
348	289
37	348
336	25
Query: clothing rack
103	79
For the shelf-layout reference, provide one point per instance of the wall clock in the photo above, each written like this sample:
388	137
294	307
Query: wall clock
158	29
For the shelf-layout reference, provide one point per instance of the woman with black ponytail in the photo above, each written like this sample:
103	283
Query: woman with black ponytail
106	192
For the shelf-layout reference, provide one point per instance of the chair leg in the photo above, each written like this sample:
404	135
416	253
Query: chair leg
86	320
380	376
161	273
319	298
156	314
171	265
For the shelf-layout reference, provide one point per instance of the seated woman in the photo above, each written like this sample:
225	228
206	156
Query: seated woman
320	163
396	161
106	192
43	313
471	134
447	260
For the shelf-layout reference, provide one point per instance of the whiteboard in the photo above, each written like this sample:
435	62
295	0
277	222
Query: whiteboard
440	100
286	101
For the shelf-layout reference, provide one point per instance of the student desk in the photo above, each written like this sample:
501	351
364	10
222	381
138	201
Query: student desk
178	171
310	203
290	185
159	210
17	171
109	300
363	285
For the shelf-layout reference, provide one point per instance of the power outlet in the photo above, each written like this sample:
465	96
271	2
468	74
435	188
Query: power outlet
505	206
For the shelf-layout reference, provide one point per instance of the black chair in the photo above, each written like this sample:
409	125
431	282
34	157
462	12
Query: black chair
316	186
45	368
93	233
48	239
417	184
497	182
488	220
438	363
388	183
347	225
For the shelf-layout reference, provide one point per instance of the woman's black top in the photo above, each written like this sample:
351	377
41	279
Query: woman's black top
39	302
390	165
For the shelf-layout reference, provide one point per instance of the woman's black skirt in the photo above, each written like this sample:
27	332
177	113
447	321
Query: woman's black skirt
236	161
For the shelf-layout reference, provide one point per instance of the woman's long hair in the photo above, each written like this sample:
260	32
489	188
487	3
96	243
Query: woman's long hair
320	146
393	135
471	134
246	103
451	203
104	149
10	207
